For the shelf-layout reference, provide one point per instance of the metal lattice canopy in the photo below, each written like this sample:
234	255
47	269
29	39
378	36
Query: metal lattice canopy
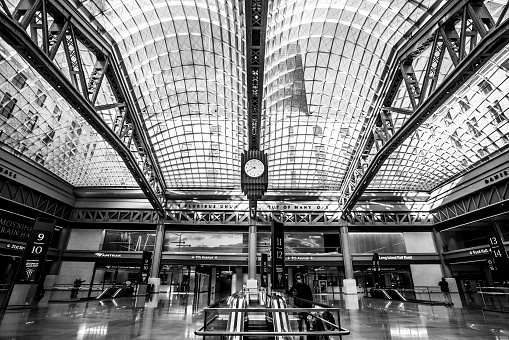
328	68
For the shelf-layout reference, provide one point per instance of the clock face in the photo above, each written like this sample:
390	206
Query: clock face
254	168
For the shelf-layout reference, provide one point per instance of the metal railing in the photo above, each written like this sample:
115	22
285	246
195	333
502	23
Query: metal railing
67	292
216	320
494	298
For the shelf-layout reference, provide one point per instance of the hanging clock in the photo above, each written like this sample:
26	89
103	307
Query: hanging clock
254	168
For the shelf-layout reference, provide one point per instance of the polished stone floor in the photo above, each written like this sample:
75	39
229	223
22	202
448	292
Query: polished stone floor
177	317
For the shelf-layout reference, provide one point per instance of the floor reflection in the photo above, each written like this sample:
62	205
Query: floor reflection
177	316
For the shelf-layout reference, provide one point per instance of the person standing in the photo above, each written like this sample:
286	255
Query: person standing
444	287
76	288
301	290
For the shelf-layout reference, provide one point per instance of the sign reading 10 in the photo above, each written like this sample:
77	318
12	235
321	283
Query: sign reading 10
37	247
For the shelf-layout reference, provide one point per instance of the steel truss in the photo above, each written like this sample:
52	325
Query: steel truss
115	216
481	204
256	22
28	31
26	196
468	55
263	218
390	218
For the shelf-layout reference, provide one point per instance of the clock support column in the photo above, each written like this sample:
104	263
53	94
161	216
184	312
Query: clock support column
252	283
252	251
254	183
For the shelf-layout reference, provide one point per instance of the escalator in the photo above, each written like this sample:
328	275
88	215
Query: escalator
107	293
115	292
238	319
379	294
395	295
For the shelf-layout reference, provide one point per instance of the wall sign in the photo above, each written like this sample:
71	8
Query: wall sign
7	172
376	269
396	257
482	251
264	270
330	206
107	255
15	246
299	258
498	256
34	255
203	257
146	261
15	227
278	255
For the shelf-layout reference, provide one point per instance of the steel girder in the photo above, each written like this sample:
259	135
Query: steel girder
262	218
256	22
409	46
481	204
375	219
115	216
393	218
127	135
493	42
19	193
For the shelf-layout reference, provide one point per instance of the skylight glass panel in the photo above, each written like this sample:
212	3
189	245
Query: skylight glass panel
323	64
187	63
37	124
470	128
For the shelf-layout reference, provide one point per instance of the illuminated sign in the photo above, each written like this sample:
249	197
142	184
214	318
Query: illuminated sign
107	255
15	246
278	255
34	255
396	257
203	257
483	251
299	258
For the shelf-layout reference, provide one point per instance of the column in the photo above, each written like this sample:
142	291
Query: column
50	279
252	283
61	245
252	251
439	244
233	286
154	278
349	285
289	270
212	285
446	270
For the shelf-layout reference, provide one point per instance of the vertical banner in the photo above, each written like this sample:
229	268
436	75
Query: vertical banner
376	270
264	270
146	261
278	255
499	257
34	256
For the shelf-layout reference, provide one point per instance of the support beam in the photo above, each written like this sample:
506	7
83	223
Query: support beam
477	58
491	201
256	23
14	35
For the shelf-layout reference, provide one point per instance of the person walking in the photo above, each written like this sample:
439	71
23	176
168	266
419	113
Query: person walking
301	290
444	287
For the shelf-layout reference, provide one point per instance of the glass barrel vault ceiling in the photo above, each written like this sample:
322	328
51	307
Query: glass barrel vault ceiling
39	125
186	60
324	64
